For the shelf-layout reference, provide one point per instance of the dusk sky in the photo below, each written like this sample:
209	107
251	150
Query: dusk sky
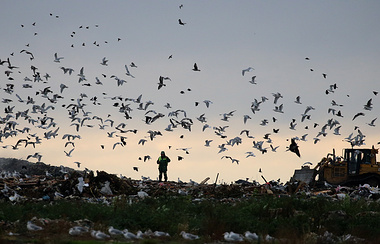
321	51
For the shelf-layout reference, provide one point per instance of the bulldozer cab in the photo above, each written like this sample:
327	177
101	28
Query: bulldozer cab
356	157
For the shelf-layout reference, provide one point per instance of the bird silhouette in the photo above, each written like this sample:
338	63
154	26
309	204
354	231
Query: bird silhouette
246	70
180	22
196	67
293	147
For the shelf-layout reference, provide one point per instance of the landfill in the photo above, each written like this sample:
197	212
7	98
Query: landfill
40	182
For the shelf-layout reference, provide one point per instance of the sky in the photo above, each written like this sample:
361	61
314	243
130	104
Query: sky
288	44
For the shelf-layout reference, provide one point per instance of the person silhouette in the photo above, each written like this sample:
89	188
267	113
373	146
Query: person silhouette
162	162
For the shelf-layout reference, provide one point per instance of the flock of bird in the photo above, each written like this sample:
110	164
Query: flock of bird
30	97
79	230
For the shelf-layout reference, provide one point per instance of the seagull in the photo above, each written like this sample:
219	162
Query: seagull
336	131
186	150
368	105
253	81
77	230
333	103
67	70
78	164
279	108
293	125
308	108
303	138
62	87
276	97
245	118
142	141
188	236
36	155
246	70
104	62
81	75
205	127
372	122
298	100
246	132
207	143
231	236
33	227
27	52
273	148
68	154
117	143
180	22
98	82
264	122
293	147
232	159
196	67
251	236
56	58
160	234
358	114
99	235
207	102
81	184
129	235
128	73
161	82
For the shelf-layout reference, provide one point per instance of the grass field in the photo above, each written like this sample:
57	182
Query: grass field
285	218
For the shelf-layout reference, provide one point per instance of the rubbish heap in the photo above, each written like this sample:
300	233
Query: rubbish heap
38	181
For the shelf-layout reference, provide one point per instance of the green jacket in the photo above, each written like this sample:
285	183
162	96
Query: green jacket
163	163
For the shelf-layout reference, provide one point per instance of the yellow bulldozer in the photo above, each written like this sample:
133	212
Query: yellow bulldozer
356	166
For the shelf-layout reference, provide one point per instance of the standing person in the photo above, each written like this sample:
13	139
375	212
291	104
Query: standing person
162	162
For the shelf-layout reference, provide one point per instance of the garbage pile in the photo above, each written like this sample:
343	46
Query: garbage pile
23	181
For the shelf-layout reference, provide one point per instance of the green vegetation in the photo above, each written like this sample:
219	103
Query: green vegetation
282	217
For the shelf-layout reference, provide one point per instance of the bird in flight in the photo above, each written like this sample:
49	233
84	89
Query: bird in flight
372	122
161	82
246	70
56	58
358	114
180	22
104	61
128	73
233	160
368	105
253	81
68	154
293	147
196	67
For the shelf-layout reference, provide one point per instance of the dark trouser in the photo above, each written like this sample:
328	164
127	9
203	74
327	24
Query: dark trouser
165	176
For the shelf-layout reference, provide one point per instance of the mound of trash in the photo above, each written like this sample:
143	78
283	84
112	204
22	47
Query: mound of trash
21	180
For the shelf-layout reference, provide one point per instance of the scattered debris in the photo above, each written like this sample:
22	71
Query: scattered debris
101	187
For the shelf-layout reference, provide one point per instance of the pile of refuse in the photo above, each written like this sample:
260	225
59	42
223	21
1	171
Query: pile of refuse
21	180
